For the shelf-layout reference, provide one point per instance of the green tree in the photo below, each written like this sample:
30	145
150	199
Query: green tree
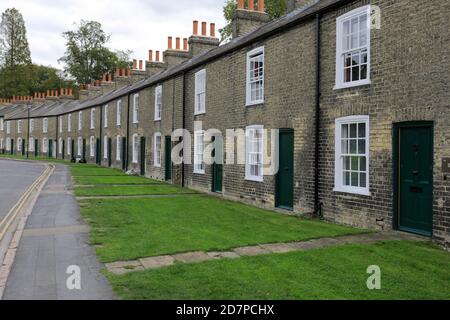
275	8
87	58
14	49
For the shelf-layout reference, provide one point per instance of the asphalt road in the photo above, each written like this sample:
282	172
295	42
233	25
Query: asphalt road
15	178
54	255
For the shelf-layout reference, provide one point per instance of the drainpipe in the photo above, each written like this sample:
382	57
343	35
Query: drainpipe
317	204
101	138
128	135
184	127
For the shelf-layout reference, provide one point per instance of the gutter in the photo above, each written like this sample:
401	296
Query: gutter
184	127
128	135
101	138
317	204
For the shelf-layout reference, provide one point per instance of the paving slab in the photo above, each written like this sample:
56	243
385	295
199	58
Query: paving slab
223	255
251	251
278	247
191	257
157	262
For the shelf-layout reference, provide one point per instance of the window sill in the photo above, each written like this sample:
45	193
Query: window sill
360	192
351	84
199	113
254	103
156	120
157	166
255	179
199	172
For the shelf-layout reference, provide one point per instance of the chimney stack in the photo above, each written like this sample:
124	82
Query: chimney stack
174	56
247	20
153	67
202	43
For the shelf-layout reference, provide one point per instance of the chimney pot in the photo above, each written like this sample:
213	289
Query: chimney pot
185	44
157	56
251	5
150	55
212	30
178	43
140	65
134	64
129	72
117	73
261	6
169	43
241	4
123	72
196	27
204	29
70	92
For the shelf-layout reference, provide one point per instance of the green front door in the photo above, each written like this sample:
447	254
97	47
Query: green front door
168	158
98	149
415	178
142	155
217	168
63	149
50	148
36	147
285	176
109	152
12	146
123	145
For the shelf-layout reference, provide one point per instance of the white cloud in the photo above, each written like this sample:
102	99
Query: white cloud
137	25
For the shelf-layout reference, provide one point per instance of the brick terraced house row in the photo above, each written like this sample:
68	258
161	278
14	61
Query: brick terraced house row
352	95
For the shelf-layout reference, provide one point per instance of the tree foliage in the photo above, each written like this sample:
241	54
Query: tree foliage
14	49
87	58
275	8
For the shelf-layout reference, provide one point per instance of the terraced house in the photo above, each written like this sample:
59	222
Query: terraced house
358	91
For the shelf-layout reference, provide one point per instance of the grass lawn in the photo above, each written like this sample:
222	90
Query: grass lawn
130	190
87	171
409	270
134	228
104	180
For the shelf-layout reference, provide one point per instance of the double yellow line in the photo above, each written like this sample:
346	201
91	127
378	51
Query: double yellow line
16	209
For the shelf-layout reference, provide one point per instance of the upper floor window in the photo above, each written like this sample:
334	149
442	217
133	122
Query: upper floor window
45	125
136	108
80	120
119	113
254	153
69	124
8	127
157	150
353	48
200	92
60	122
93	118
31	125
352	155
255	77
19	126
199	148
158	102
105	116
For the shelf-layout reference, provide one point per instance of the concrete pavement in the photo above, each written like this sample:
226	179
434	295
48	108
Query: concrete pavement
55	238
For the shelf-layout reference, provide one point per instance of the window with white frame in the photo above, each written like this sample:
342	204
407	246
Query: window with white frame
69	146
199	148
118	147
254	144
45	125
31	144
79	146
8	144
135	153
69	123
105	116
93	118
352	155
136	108
119	113
158	103
200	92
31	125
8	127
1	144
105	147
353	48
19	126
255	77
60	122
44	145
1	124
19	144
157	150
80	120
60	143
92	146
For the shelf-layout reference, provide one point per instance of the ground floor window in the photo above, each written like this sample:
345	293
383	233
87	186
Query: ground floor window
60	146
352	155
157	150
19	144
31	144
8	144
69	147
105	147
79	146
135	152
118	147
92	146
44	145
199	148
1	143
254	153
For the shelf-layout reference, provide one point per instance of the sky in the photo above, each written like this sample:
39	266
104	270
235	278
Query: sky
136	25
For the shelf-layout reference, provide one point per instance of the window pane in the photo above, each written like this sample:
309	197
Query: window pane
354	163
347	75
362	146
355	73
363	180
362	164
353	146
346	178
354	178
353	128
361	130
346	163
344	131
363	72
344	146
